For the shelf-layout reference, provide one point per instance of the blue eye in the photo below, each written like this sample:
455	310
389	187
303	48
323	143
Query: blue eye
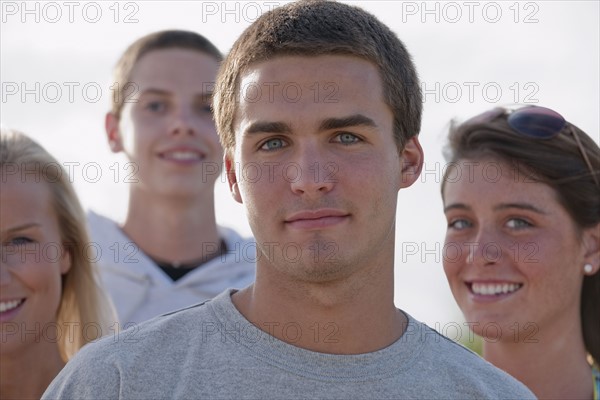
518	223
203	108
156	106
273	144
20	241
347	138
459	224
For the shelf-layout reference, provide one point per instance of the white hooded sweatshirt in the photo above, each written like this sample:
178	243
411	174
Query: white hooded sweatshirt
141	290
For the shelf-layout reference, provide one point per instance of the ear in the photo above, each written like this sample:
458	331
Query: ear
111	125
65	261
411	160
232	178
591	242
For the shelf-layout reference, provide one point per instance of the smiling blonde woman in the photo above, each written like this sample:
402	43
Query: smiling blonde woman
50	303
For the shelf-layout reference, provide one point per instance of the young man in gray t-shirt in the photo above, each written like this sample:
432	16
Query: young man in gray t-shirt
318	109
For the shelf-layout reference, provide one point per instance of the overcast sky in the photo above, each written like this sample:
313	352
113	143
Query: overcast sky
57	58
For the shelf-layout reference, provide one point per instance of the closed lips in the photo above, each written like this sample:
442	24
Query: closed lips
313	215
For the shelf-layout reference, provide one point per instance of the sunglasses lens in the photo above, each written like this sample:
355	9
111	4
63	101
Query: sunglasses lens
537	122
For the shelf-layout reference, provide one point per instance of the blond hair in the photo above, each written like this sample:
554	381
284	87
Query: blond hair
163	40
82	301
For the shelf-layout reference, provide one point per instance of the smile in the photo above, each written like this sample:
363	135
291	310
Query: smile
182	155
9	305
494	289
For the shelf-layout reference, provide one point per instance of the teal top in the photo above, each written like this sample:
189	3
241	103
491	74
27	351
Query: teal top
596	376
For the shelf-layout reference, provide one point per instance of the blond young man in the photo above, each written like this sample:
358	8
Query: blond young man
169	253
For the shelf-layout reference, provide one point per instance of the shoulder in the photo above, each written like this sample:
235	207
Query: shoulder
241	251
101	226
112	366
232	237
458	366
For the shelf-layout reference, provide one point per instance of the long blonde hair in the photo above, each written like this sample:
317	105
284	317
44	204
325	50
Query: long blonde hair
85	312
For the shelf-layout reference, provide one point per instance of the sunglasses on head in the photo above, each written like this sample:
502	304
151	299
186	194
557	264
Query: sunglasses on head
535	122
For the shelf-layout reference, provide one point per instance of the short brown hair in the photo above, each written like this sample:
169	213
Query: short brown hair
313	28
155	41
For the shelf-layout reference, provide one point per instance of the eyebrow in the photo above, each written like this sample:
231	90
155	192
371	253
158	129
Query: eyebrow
23	227
161	92
268	127
155	91
328	124
521	206
344	122
458	206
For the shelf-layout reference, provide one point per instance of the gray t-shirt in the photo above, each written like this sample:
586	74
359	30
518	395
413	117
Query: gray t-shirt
211	351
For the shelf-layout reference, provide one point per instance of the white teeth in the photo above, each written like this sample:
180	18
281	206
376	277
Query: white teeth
494	289
183	155
9	305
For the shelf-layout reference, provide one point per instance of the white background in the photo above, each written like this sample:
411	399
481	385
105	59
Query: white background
470	56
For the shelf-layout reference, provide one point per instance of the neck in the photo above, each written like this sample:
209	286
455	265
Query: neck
27	373
552	367
354	315
172	229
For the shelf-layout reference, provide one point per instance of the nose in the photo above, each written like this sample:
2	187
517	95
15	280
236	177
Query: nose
311	173
486	250
5	276
183	123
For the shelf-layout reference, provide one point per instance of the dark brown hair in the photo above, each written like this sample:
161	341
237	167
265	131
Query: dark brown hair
556	162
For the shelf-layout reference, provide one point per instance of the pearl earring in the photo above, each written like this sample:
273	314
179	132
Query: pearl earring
587	268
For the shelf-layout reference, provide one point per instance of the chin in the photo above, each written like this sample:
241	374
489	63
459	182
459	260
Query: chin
493	328
184	191
323	272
